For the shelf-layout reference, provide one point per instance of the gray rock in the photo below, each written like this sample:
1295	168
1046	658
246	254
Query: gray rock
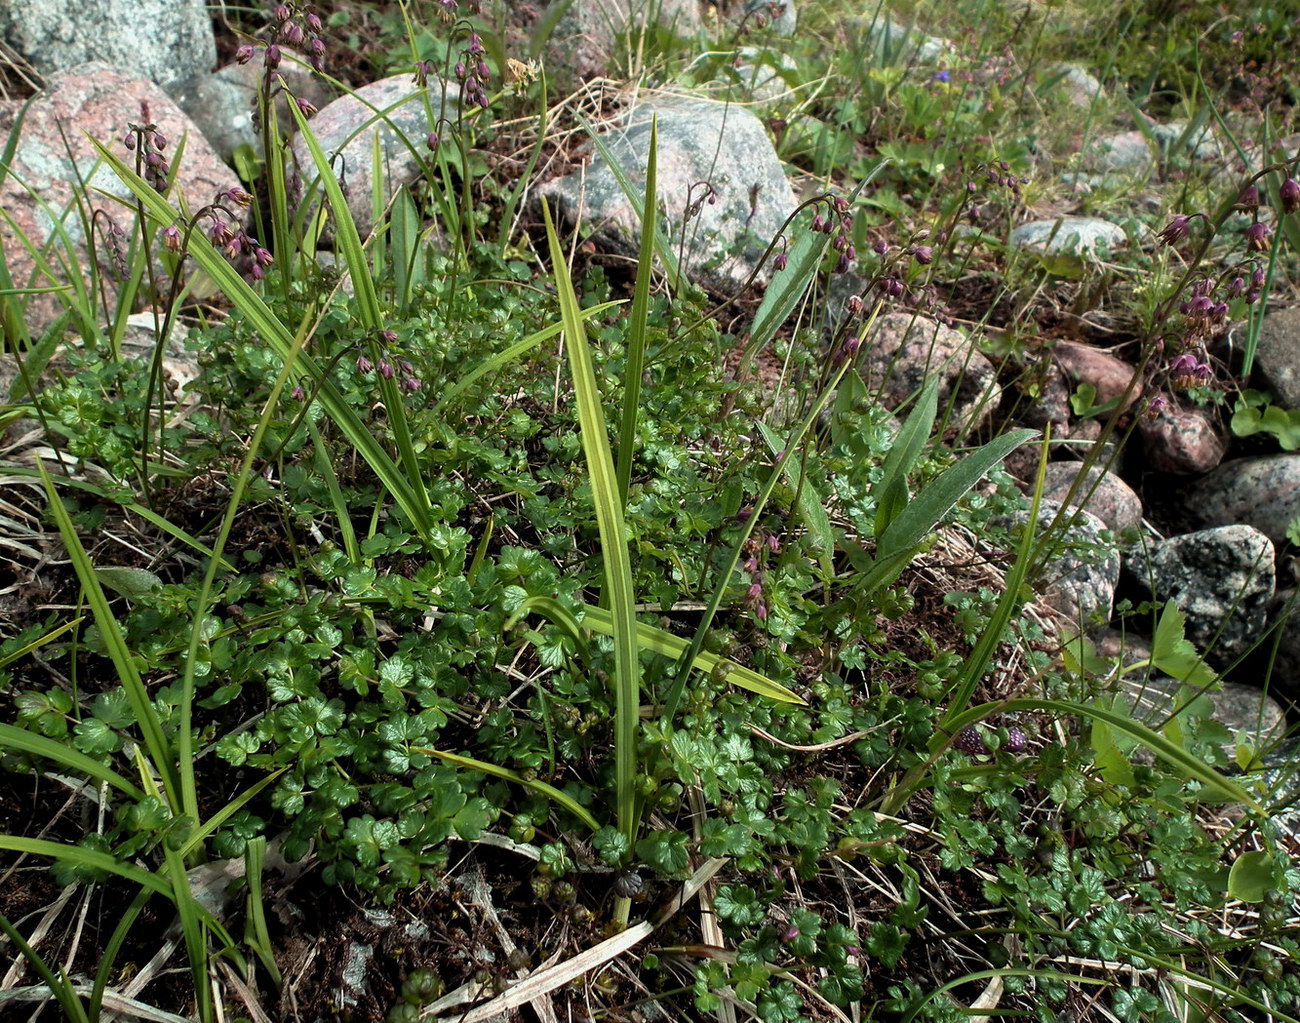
1285	615
53	151
1079	237
1113	501
165	41
1278	356
393	108
1183	441
223	103
1077	84
785	21
1123	153
1080	579
764	74
1222	579
699	140
585	41
905	350
1263	491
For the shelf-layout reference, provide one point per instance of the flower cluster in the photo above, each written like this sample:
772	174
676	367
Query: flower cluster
1187	371
473	73
757	549
148	143
448	10
237	244
838	223
387	364
294	25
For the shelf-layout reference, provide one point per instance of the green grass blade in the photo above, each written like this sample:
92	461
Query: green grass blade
160	750
59	985
109	953
891	491
88	859
1219	789
72	760
613	541
540	787
337	501
36	644
788	287
929	507
977	664
513	352
662	246
348	241
659	641
811	507
634	343
260	938
196	944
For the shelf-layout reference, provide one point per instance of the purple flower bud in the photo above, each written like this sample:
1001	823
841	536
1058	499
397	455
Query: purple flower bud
851	345
219	232
1258	277
818	223
484	72
159	140
128	140
293	33
364	365
843	265
459	70
1249	197
411	384
317	47
1200	307
1289	193
789	934
431	141
237	196
298	393
854	305
1253	296
262	258
171	237
386	369
780	261
153	159
894	287
307	107
483	101
755	592
1236	287
1257	237
923	254
313	22
271	60
1176	230
475	43
760	612
388	336
235	246
282	13
244	54
880	246
773	544
256	272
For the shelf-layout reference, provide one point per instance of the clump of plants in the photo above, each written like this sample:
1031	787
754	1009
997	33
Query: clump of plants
475	583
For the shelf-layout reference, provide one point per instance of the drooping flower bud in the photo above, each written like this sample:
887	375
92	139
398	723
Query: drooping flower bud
1257	237
1289	193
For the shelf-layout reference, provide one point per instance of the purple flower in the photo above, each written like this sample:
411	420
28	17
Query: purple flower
307	107
171	237
780	261
940	76
923	254
244	54
1176	230
1289	193
1249	197
364	365
1257	237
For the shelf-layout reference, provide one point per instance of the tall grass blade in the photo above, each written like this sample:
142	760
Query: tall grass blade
788	287
613	541
634	339
60	987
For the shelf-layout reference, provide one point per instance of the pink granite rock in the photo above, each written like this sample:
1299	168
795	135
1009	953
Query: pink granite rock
1109	374
1182	441
53	152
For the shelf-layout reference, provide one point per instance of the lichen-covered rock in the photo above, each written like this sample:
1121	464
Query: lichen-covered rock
699	141
165	41
1263	492
53	152
1183	441
905	350
392	108
1080	579
1222	580
1106	495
